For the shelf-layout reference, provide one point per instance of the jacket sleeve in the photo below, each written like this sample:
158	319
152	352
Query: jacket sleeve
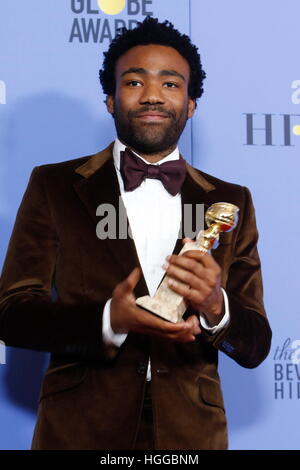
247	338
29	316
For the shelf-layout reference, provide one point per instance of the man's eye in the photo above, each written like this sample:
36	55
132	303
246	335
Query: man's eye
134	83
171	85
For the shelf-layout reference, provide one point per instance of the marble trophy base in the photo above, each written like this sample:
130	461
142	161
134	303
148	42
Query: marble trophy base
168	307
166	303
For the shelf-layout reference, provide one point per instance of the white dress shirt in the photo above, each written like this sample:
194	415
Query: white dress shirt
154	216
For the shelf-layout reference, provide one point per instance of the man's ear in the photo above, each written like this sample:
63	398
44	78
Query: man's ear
191	107
110	104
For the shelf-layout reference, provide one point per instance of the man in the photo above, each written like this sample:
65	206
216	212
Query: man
120	377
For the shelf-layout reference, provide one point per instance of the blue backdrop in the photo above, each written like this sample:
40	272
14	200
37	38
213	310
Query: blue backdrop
246	130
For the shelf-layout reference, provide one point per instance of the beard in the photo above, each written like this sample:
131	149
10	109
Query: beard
150	137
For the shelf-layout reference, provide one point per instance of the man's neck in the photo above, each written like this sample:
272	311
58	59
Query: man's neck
153	157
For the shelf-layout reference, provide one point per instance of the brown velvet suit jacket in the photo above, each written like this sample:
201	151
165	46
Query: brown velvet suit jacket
91	395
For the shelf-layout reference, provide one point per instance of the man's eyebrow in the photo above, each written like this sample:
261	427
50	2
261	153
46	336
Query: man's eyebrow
172	73
134	70
140	70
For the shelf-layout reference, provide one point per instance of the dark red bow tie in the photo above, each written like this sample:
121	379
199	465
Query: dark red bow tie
134	171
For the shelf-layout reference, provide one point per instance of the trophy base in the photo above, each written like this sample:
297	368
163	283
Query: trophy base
172	313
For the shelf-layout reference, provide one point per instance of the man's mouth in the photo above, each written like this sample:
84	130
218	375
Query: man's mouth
152	116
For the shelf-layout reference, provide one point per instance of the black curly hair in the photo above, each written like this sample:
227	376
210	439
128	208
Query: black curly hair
150	31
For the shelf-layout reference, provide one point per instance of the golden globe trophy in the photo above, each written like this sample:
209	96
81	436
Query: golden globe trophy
167	304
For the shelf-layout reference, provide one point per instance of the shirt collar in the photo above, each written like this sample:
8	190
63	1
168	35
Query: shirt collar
119	147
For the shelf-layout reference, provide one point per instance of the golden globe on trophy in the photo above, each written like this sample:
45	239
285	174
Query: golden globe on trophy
167	304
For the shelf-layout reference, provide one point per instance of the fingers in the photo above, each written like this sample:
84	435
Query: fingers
197	277
194	296
193	321
127	316
192	271
157	324
204	258
150	324
192	329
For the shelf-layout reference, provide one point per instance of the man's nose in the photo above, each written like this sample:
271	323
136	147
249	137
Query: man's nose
152	94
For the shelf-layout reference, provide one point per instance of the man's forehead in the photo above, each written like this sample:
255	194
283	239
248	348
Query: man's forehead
152	58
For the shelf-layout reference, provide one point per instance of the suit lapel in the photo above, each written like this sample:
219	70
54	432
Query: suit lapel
102	187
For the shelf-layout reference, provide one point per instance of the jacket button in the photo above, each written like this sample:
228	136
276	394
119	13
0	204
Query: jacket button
141	368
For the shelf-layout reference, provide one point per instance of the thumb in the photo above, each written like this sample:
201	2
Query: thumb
131	281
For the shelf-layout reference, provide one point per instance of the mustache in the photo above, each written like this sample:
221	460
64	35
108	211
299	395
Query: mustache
159	109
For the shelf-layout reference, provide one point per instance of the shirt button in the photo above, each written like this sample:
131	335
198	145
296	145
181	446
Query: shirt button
141	368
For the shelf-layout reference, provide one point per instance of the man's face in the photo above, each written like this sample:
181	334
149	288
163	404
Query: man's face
151	103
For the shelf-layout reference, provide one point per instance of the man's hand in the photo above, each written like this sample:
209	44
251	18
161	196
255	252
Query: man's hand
202	278
125	316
